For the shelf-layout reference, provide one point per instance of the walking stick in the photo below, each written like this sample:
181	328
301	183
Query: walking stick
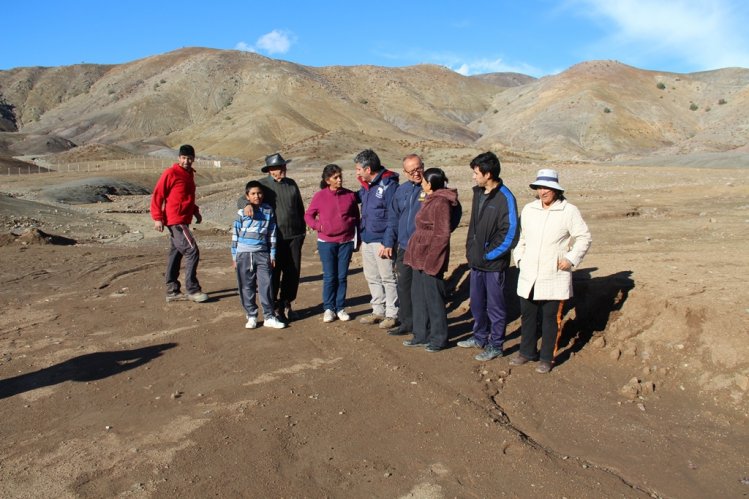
559	331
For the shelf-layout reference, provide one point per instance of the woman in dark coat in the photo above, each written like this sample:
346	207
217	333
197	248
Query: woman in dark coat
428	254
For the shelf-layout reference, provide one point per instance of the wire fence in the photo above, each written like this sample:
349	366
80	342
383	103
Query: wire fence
113	165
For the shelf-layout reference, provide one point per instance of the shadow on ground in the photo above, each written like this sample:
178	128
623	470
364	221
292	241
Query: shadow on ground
89	367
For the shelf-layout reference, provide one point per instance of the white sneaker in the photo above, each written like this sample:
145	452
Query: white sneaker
342	315
328	316
274	323
251	323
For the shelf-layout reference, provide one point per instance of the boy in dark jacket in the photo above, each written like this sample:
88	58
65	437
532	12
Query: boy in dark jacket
173	205
492	233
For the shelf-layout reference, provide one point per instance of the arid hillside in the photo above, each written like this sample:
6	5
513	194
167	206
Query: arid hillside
235	104
607	110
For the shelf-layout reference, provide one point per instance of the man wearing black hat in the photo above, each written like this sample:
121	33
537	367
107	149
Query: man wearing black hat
283	194
173	205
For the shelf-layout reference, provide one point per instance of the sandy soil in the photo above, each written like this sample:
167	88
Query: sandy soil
107	390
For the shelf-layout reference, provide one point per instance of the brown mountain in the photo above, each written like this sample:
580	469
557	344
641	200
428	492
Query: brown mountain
604	109
239	104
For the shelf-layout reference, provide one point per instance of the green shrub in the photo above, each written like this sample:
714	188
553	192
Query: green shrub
722	101
661	85
693	107
606	110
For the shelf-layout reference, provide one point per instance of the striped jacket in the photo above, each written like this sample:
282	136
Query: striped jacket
255	233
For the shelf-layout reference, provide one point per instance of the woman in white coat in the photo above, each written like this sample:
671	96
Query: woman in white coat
553	239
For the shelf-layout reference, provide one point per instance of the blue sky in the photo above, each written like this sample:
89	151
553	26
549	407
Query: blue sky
535	37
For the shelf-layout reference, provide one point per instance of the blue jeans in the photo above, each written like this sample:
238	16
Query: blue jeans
335	258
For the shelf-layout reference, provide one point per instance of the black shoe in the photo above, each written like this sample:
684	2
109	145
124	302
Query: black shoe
414	343
398	331
432	348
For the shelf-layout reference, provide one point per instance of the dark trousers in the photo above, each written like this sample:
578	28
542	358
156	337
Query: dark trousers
549	312
335	258
429	312
182	244
405	277
488	307
254	277
287	270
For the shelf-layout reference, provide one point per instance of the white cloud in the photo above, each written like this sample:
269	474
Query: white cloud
480	66
275	42
244	46
703	34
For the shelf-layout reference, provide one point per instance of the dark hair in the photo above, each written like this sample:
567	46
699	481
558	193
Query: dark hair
436	178
487	162
368	159
328	172
251	184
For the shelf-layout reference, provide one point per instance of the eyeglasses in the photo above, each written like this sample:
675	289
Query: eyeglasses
418	169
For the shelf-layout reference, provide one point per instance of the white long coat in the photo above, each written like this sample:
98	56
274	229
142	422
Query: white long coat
546	236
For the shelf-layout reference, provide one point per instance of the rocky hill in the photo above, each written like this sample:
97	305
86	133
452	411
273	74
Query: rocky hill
242	105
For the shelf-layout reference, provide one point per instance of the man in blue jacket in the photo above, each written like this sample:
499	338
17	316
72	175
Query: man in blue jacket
401	226
492	232
376	195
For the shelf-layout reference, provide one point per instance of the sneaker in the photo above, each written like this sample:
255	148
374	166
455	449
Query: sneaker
519	360
398	331
388	323
343	315
371	319
198	297
432	349
470	343
413	343
273	322
328	316
489	353
174	296
251	323
543	367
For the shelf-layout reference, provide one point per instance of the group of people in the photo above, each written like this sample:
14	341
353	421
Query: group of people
403	231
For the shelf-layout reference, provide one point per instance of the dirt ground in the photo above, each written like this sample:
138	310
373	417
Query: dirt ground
107	390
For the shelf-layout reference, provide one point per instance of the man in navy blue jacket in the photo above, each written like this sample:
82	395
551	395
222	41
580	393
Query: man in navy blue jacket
376	195
492	233
401	226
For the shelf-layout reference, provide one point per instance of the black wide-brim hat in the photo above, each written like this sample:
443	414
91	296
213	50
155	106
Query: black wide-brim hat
274	160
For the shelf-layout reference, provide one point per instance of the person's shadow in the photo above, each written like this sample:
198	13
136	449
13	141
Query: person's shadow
594	300
88	367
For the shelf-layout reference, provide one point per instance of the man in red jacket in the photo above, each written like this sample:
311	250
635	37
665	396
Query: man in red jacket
173	205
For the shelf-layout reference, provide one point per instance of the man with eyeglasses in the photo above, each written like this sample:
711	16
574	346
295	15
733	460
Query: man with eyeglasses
401	225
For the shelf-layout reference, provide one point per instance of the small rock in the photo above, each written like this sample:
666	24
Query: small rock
599	342
615	354
641	407
107	427
632	389
648	387
387	474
